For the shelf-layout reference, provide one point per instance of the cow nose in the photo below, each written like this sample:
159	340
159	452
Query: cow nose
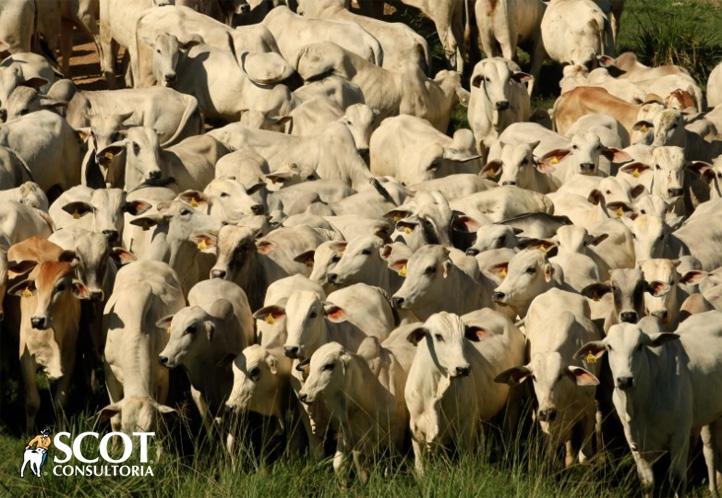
169	78
218	273
674	192
548	415
39	322
586	167
96	295
629	316
625	382
508	182
303	398
257	209
462	371
111	235
244	8
498	296
472	251
163	360
397	302
291	351
332	277
364	153
3	114
154	174
502	105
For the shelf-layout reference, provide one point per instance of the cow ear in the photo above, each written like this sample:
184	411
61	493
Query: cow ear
21	267
136	208
637	191
596	240
513	376
109	411
642	126
466	224
77	209
24	288
147	222
476	334
164	323
596	197
662	338
591	351
492	169
84	133
693	277
194	198
205	242
397	214
636	169
307	258
265	247
548	272
521	77
122	256
582	377
400	267
596	290
339	247
616	155
80	291
463	95
658	289
540	244
334	314
703	169
165	409
416	335
226	360
105	156
35	82
270	314
68	256
500	269
549	161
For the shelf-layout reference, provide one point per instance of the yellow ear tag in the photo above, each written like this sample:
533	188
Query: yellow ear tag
619	212
270	319
309	263
590	358
502	273
555	160
403	271
194	202
644	128
202	245
408	230
635	173
76	214
27	292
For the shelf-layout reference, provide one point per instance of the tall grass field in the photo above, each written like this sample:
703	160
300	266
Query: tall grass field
685	32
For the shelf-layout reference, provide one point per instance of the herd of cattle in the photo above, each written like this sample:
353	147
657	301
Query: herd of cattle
276	205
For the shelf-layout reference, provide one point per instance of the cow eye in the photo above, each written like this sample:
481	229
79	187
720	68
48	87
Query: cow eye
60	287
313	314
531	270
185	212
575	147
609	348
336	259
657	166
609	191
191	330
254	373
224	194
439	337
23	112
328	367
430	270
366	252
115	136
136	148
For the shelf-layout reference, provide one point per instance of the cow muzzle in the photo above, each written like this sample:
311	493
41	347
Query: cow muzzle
548	415
629	316
502	105
39	322
624	383
291	351
462	371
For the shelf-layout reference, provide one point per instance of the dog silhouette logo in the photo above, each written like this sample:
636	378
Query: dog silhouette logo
36	453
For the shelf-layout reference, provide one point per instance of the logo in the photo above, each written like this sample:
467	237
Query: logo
36	453
102	456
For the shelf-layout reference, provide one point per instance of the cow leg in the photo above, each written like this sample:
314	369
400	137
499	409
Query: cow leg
587	447
568	453
537	59
32	396
679	452
358	463
418	448
115	394
645	474
710	456
108	50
